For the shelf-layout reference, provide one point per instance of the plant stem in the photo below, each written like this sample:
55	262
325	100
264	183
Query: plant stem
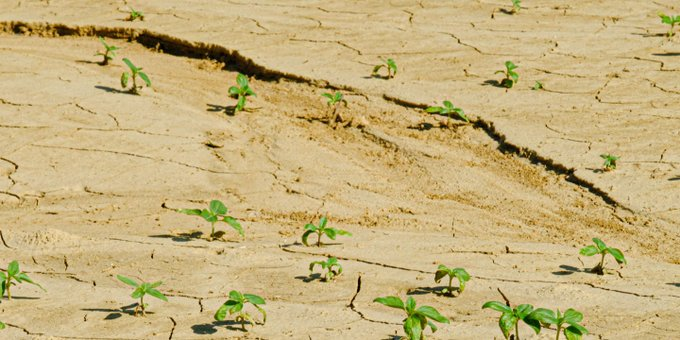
517	330
7	285
558	332
318	241
212	230
450	288
601	265
142	304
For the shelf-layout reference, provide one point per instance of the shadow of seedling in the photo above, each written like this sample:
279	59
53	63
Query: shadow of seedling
677	284
186	237
115	313
211	328
439	291
673	179
310	278
228	110
494	83
568	270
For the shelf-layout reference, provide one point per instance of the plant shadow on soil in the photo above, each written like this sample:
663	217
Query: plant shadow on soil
115	313
310	278
211	328
228	110
676	284
494	83
183	237
568	270
676	178
433	290
112	90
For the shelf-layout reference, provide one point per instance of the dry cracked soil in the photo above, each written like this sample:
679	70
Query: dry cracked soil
91	176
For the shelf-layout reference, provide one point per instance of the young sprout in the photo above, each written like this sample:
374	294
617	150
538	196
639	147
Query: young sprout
511	77
134	15
391	67
516	6
327	266
141	290
241	91
134	72
334	101
670	20
236	303
510	318
416	319
216	212
109	53
2	325
574	331
448	110
602	249
609	162
537	86
458	273
320	230
13	276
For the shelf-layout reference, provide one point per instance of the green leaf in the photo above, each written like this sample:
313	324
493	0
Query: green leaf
343	232
510	65
217	207
322	222
600	245
138	293
524	310
155	293
461	274
305	236
433	314
221	313
572	316
377	68
124	79
234	224
22	277
410	305
254	299
2	325
127	281
234	91
190	211
618	255
390	301
440	274
236	296
434	109
544	315
331	233
506	323
533	323
155	284
575	332
132	67
393	65
241	80
589	251
241	103
2	287
413	328
329	96
145	78
13	268
495	305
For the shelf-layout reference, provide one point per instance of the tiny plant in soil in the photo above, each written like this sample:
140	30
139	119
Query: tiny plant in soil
537	86
511	77
670	20
2	325
109	53
609	162
331	268
416	318
516	6
12	277
134	72
142	290
134	15
321	229
241	91
334	102
510	318
448	110
236	303
458	273
602	249
216	212
571	319
391	67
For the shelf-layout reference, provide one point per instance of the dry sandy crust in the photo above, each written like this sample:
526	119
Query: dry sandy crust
91	176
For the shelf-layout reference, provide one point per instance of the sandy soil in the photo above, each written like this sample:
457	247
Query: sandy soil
90	176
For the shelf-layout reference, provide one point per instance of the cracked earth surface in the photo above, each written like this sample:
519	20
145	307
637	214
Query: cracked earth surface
89	176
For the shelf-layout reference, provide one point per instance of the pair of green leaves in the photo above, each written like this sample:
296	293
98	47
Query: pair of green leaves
321	229
571	317
334	99
14	276
216	212
241	91
391	67
459	273
670	20
602	249
236	303
609	161
516	6
134	72
510	317
134	15
328	267
109	53
511	77
448	110
142	290
417	319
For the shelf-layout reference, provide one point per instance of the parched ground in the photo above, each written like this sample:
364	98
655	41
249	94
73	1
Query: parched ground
90	176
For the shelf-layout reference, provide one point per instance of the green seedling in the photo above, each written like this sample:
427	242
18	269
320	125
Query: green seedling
516	6
602	249
572	318
670	20
241	91
2	325
334	101
236	303
109	53
448	110
14	276
330	267
510	317
459	273
511	77
537	86
391	67
321	230
141	290
134	15
416	318
134	72
216	212
609	162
